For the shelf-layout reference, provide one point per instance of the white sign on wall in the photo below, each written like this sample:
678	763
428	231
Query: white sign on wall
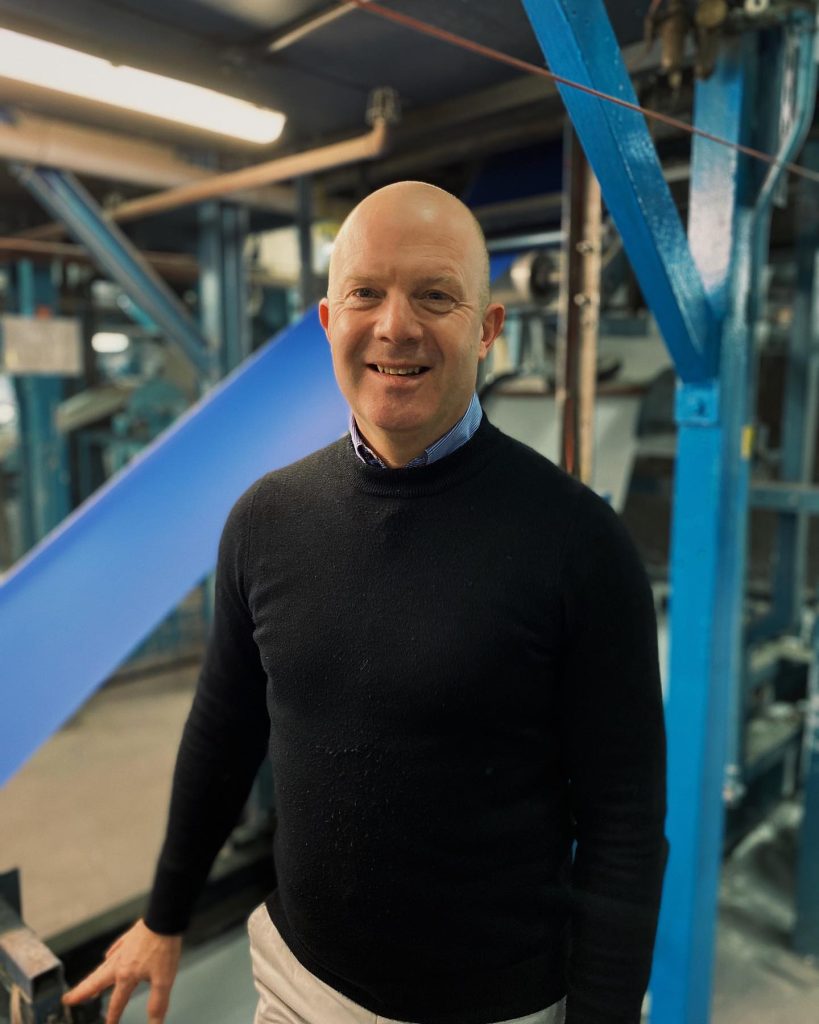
41	345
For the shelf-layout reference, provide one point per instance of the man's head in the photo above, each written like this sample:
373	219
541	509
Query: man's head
408	291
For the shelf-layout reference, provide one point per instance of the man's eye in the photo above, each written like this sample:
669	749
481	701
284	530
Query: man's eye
439	298
362	293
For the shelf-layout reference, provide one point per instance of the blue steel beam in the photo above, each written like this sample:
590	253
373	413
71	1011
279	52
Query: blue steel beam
698	695
579	43
84	598
67	201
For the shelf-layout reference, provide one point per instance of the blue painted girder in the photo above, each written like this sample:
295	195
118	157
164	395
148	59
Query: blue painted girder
579	44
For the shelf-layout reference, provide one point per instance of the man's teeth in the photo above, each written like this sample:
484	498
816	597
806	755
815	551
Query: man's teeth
401	372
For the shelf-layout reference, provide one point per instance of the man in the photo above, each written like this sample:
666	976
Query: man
450	647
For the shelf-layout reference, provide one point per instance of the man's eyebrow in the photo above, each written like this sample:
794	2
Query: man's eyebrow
354	278
449	280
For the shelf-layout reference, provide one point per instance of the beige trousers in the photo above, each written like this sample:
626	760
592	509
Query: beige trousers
290	994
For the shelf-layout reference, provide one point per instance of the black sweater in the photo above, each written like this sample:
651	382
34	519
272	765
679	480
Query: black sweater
456	669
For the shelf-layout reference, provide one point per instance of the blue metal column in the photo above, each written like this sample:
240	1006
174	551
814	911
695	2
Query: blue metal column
799	406
223	290
708	307
45	480
65	199
702	585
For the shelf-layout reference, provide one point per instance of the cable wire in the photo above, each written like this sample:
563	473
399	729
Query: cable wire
425	28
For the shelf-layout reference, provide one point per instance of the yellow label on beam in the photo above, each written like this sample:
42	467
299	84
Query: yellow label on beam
747	440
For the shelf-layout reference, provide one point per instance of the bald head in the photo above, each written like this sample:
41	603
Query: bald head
415	205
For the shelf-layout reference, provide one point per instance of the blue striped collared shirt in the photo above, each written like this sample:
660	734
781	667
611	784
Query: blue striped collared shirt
446	445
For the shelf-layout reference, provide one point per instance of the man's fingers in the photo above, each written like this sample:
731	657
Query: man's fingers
119	1000
96	982
158	1003
114	946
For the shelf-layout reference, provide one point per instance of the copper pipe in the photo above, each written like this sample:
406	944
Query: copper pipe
591	246
363	147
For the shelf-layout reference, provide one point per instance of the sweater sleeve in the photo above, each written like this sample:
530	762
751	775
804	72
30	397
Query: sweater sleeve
615	753
223	743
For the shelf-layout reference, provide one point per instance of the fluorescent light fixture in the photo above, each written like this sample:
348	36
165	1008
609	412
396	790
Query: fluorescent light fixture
108	342
50	66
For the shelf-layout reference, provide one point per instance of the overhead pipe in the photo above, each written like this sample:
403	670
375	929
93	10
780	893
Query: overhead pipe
382	112
113	156
365	147
309	25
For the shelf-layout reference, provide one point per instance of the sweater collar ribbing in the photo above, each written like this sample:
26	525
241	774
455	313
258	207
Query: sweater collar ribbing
418	481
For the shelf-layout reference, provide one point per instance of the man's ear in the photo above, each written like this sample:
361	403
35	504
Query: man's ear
324	315
491	327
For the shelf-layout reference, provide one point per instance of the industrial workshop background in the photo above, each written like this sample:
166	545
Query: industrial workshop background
647	175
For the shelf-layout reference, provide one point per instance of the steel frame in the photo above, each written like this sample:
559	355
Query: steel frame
704	293
795	498
64	197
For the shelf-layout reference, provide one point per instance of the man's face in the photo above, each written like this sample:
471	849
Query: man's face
404	321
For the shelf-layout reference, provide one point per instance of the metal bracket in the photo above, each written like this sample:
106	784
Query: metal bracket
30	972
697	405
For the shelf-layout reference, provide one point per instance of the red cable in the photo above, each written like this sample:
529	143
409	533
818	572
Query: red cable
425	28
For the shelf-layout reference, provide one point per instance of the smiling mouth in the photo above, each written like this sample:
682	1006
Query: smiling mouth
398	371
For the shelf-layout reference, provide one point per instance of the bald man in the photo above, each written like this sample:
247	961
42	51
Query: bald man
447	649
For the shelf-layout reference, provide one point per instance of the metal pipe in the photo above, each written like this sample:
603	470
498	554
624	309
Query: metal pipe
309	25
364	147
113	156
590	247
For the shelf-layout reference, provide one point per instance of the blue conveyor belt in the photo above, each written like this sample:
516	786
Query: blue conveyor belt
84	598
75	607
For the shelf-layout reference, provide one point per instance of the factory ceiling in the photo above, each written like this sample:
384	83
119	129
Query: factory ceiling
319	75
317	61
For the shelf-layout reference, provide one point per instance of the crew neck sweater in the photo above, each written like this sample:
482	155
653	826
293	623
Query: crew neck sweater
453	669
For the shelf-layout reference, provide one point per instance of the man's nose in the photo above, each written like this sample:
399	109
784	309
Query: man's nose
397	320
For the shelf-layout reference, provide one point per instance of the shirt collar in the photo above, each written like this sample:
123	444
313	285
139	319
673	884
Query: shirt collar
446	445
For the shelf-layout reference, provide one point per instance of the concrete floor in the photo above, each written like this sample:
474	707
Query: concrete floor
83	820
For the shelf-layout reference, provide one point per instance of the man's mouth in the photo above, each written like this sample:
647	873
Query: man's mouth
398	371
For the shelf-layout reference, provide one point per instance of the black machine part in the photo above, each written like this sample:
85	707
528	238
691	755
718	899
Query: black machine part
31	976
